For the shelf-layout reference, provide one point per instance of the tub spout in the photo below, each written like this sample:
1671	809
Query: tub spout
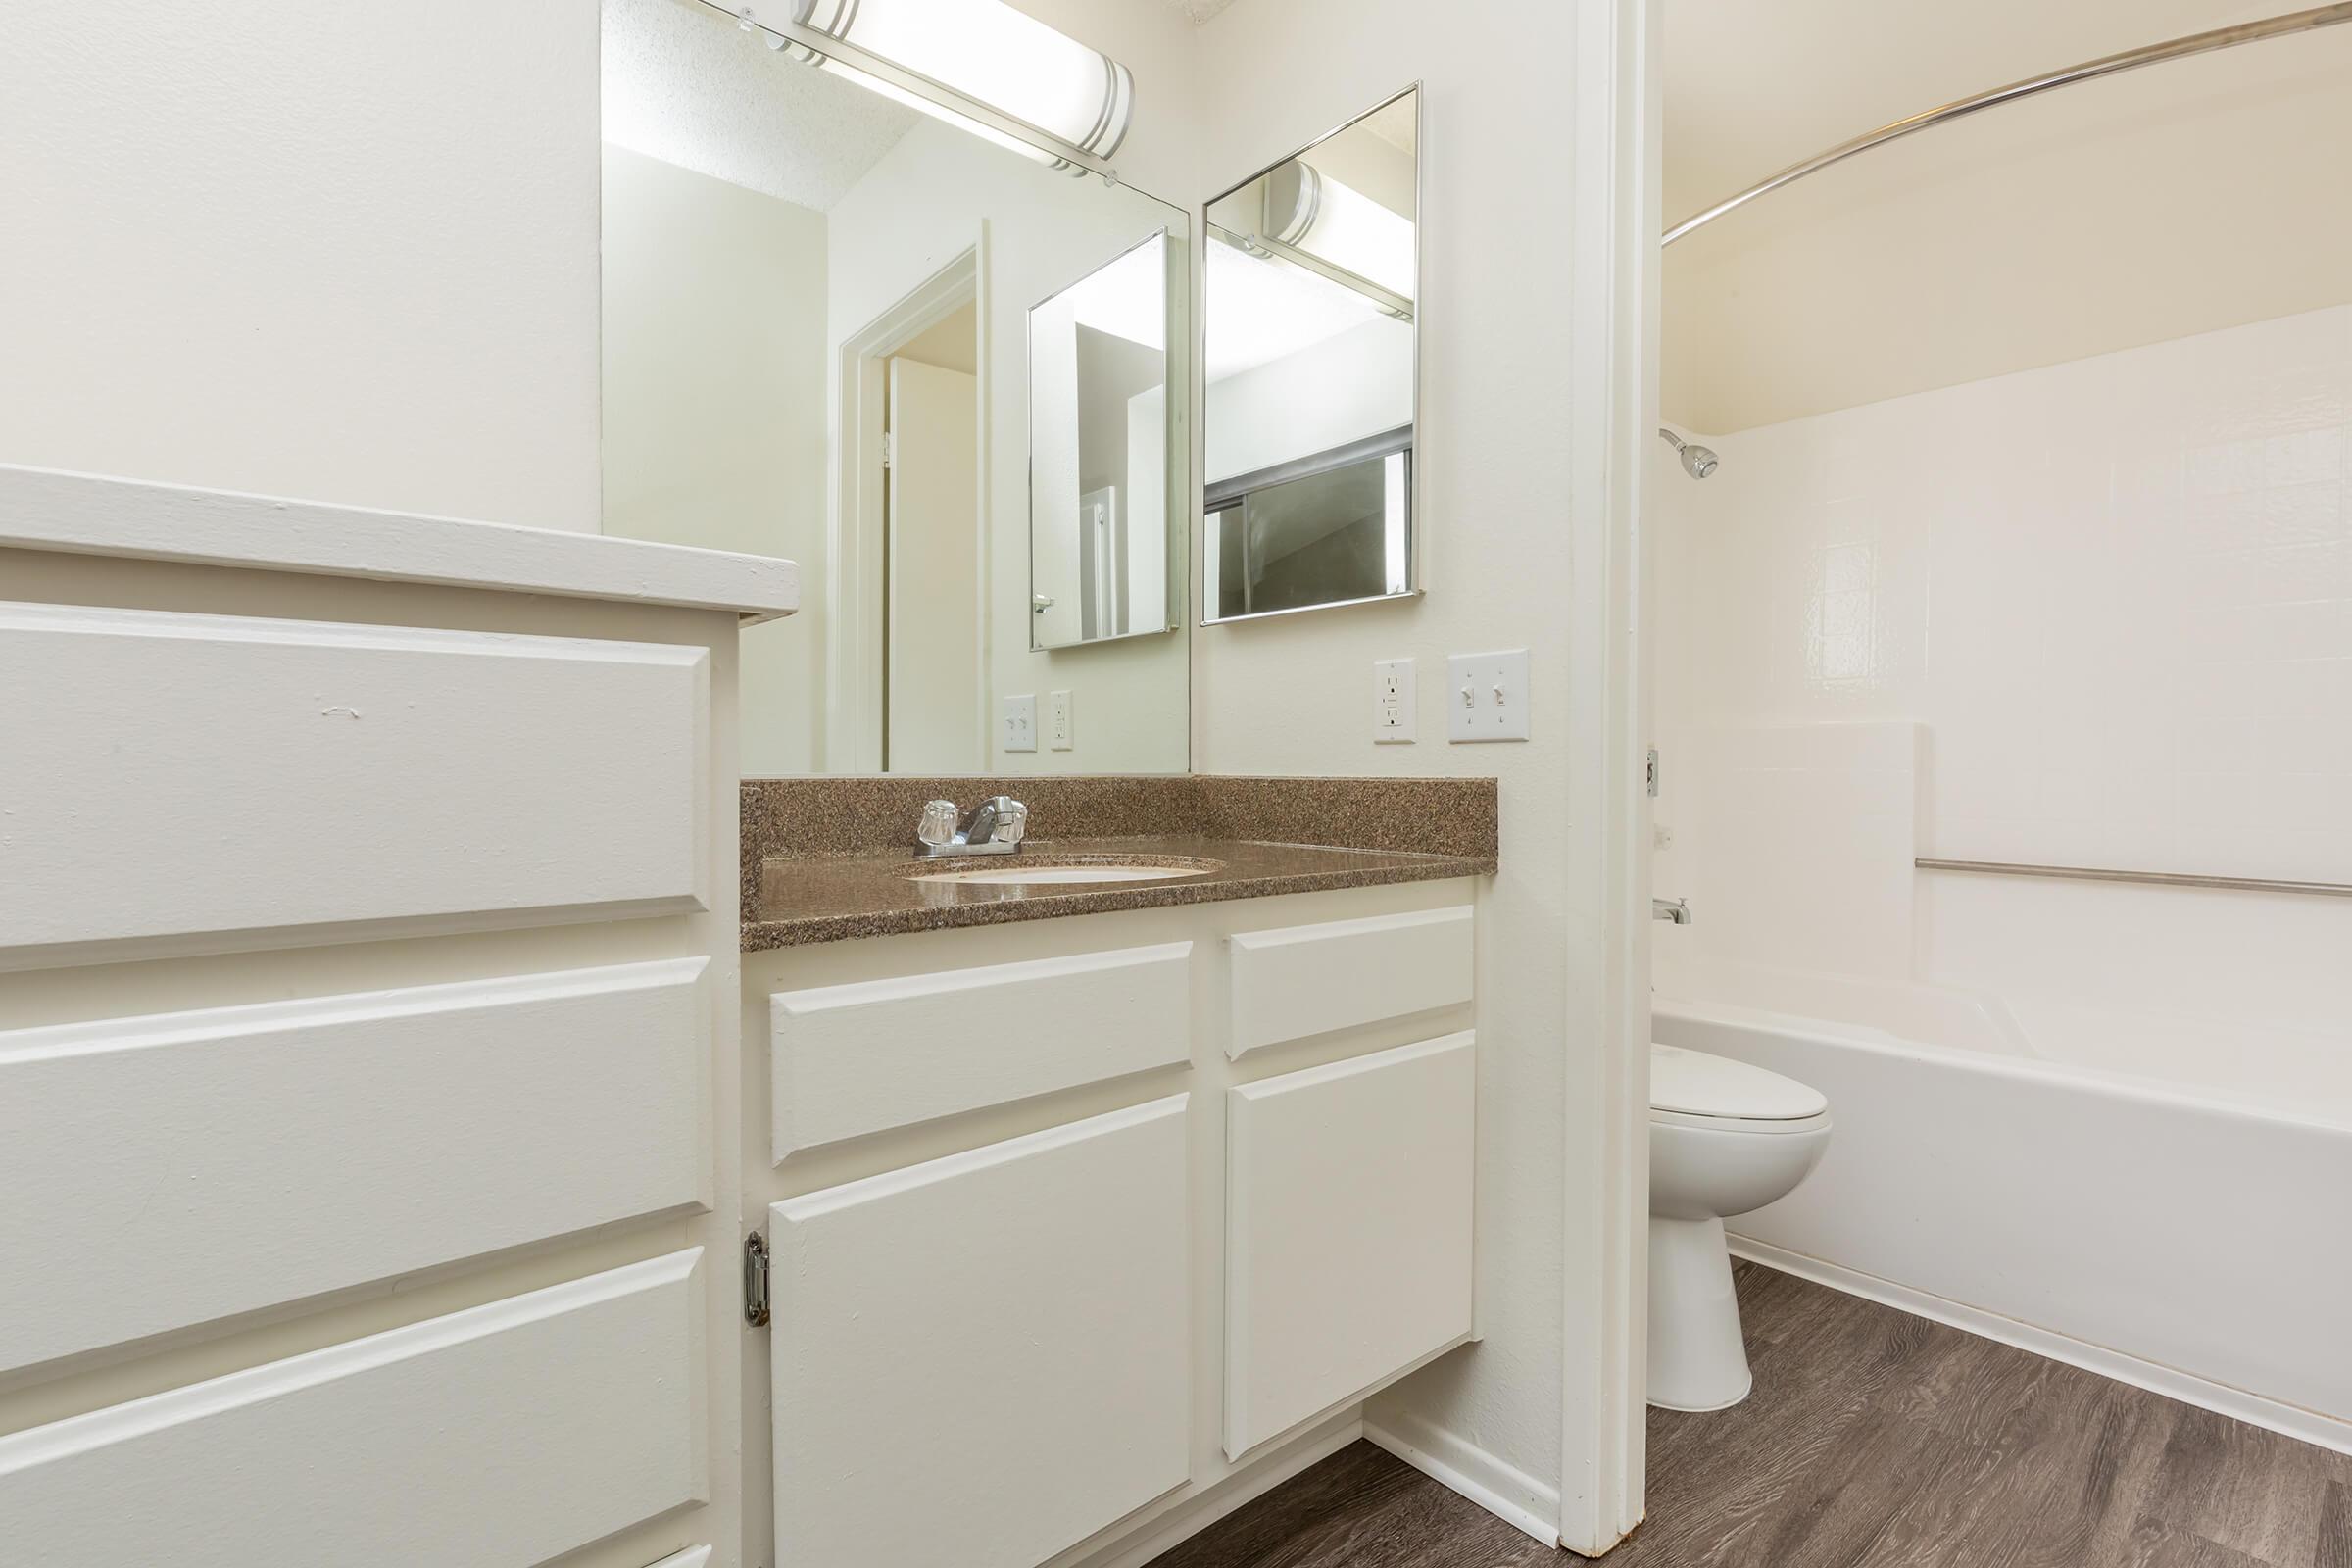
1677	911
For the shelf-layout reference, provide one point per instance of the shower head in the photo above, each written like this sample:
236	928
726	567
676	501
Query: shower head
1697	461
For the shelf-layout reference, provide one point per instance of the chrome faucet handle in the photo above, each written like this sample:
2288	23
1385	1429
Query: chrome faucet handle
995	826
999	820
981	826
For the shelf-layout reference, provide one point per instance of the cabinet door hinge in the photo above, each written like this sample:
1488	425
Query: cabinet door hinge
754	1280
890	449
1650	775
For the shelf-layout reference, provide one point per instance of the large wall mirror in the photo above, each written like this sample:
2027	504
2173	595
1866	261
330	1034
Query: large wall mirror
1311	375
942	368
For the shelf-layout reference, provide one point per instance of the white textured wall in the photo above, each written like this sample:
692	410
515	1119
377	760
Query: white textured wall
1291	694
329	250
2116	593
715	377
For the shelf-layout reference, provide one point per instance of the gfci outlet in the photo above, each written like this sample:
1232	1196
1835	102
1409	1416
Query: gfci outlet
1486	697
1394	702
1058	735
1018	727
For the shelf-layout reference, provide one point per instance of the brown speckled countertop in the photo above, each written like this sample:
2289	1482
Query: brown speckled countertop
828	859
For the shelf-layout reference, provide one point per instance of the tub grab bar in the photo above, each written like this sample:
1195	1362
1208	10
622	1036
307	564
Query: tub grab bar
2158	879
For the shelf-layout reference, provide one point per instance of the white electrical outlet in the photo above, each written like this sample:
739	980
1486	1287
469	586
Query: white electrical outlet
1395	703
1018	727
1486	697
1057	722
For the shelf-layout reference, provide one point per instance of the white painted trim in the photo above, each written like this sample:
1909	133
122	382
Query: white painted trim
1613	274
90	514
1229	1495
856	526
1510	1494
2293	1421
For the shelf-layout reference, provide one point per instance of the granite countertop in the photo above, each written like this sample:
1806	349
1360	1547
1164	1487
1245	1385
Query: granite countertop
829	860
833	900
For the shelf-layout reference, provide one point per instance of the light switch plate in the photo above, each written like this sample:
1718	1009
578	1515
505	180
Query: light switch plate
1487	696
1018	724
1395	702
1058	735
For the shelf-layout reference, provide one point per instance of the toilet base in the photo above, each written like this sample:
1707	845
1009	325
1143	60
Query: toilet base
1697	1361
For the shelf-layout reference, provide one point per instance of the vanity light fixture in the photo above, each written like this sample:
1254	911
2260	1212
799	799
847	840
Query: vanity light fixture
983	51
1306	210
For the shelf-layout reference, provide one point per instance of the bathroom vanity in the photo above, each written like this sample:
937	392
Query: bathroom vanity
363	933
1085	1204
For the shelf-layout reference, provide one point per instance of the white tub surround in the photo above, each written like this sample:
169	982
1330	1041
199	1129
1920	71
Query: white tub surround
369	894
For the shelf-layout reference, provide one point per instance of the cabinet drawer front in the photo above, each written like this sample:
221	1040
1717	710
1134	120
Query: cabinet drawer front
214	781
985	1359
175	1169
1349	1230
851	1059
1309	979
498	1437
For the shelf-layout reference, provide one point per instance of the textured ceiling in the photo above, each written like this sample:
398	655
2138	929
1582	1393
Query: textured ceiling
1197	10
686	85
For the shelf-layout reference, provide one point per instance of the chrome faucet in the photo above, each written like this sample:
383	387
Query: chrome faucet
995	826
1677	911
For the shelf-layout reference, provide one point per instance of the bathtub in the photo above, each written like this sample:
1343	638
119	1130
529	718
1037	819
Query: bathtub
1995	1167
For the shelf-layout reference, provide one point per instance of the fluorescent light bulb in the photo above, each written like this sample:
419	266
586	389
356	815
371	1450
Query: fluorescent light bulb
987	50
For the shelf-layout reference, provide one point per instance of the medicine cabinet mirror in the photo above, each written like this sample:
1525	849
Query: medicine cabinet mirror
1104	478
851	326
1310	373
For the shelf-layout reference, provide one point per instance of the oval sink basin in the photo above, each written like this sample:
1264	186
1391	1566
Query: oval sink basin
1042	875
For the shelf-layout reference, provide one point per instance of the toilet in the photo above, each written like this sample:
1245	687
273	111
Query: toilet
1725	1138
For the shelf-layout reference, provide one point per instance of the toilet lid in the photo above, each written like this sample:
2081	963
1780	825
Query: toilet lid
1695	1084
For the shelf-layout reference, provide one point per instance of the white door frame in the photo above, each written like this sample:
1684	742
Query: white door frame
855	536
1614	338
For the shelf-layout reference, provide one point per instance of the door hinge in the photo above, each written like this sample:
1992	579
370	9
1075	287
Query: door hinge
754	1280
1651	773
890	449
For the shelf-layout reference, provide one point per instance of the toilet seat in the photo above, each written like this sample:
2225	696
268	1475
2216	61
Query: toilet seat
1694	1089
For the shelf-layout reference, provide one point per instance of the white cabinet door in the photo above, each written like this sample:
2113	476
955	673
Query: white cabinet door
499	1436
199	783
1347	1248
984	1359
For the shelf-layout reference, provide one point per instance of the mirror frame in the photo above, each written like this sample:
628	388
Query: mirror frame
1176	539
1415	488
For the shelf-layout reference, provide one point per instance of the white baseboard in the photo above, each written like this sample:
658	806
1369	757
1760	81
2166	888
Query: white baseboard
1204	1508
2307	1426
1509	1495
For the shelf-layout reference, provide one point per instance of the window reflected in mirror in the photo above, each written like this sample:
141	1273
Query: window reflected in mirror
1310	376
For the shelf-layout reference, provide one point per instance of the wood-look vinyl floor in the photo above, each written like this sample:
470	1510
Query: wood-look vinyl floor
1873	1439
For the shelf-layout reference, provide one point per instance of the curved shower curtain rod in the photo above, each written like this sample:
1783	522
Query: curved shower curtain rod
2196	43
